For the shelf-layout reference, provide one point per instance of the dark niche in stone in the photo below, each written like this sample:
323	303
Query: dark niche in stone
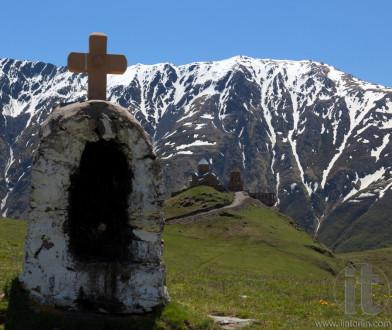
97	218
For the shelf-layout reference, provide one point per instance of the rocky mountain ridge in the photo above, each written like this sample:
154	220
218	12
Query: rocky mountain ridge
316	136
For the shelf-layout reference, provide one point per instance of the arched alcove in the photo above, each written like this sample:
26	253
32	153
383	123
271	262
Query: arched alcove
98	197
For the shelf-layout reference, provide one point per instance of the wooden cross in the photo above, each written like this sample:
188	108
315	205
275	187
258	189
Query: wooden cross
97	63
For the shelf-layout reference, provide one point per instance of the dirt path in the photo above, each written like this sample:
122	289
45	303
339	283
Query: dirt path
241	201
239	198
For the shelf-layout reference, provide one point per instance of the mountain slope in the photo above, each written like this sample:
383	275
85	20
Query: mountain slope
310	133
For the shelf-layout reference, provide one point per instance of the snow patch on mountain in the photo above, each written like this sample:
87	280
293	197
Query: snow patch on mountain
365	182
383	191
377	152
195	144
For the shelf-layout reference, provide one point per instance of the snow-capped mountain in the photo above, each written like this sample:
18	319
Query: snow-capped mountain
316	136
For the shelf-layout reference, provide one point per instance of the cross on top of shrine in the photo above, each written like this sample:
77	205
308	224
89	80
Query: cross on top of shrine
97	63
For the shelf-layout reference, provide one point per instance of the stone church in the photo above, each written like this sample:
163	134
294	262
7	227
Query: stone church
204	177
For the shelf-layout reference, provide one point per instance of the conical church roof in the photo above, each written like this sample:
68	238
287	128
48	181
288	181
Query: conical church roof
203	162
235	168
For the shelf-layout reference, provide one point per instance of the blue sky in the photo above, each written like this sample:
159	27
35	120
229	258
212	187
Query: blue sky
354	36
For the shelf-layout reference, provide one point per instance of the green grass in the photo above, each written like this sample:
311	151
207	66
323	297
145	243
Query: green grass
197	199
275	302
12	237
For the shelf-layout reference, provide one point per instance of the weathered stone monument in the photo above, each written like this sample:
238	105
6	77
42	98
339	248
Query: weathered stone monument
95	219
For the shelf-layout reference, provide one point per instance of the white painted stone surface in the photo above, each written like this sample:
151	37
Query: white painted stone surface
51	273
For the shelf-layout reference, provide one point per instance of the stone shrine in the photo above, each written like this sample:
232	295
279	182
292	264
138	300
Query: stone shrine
95	220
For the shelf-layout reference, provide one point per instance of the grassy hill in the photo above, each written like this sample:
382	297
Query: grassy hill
256	264
197	199
256	240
